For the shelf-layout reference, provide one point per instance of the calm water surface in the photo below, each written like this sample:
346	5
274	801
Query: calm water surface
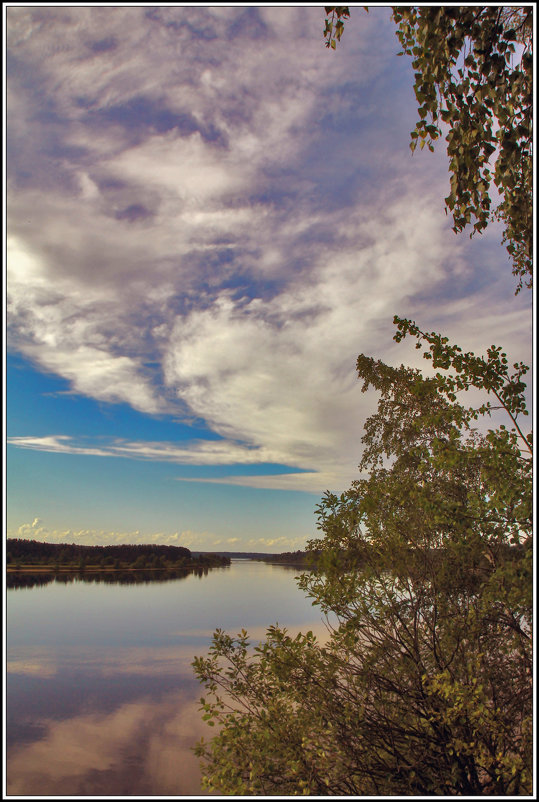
101	697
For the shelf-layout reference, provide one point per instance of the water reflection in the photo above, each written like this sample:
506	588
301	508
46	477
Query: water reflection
19	579
140	748
101	696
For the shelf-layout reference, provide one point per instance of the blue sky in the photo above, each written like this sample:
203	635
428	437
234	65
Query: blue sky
209	216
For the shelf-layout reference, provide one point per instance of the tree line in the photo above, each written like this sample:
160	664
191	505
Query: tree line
292	557
32	552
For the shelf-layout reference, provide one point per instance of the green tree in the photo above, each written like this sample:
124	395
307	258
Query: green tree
473	71
425	574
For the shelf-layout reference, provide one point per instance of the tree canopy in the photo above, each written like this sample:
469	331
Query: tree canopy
473	71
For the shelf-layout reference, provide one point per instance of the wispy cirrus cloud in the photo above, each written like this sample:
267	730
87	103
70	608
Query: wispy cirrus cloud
315	482
195	452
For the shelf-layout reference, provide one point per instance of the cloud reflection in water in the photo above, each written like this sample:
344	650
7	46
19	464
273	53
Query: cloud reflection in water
141	748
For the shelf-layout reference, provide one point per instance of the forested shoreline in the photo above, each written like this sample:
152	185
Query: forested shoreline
26	555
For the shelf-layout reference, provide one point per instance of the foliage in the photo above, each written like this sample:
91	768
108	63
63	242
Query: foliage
424	574
473	80
334	24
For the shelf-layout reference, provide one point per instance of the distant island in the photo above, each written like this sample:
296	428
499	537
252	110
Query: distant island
32	555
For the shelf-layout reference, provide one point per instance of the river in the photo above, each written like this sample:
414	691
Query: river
101	696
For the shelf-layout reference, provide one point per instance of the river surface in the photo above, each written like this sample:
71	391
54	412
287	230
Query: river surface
101	696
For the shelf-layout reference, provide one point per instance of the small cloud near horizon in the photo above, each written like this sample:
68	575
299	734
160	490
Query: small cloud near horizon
194	541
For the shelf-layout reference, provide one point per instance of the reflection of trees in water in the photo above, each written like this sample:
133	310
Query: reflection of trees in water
27	580
20	580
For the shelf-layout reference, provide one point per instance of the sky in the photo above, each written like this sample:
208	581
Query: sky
210	215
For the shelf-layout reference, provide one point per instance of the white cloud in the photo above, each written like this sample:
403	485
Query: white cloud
55	444
195	452
315	482
102	537
185	168
133	238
